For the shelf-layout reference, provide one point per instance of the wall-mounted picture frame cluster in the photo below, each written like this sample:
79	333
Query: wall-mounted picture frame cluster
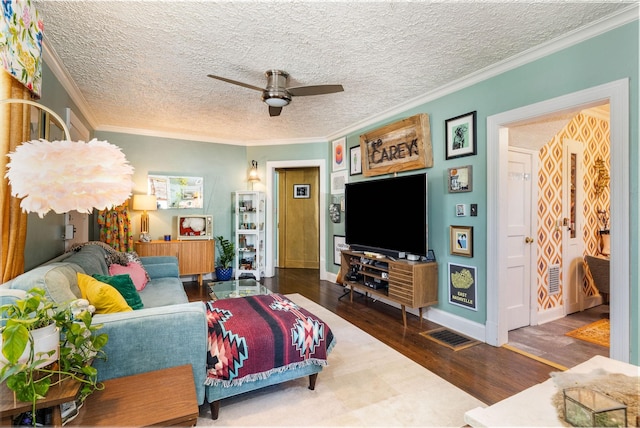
460	134
461	240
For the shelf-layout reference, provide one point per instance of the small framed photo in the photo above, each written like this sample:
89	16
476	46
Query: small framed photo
355	156
338	180
301	191
461	136
431	256
339	244
339	156
461	241
461	210
460	179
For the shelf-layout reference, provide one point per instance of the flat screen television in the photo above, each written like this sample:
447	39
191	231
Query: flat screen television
388	216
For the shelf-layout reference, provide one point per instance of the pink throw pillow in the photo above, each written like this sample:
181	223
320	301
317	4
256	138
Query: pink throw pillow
135	270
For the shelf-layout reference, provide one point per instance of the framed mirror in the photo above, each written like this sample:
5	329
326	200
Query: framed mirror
176	192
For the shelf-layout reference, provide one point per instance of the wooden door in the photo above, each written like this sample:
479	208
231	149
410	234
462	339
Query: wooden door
299	219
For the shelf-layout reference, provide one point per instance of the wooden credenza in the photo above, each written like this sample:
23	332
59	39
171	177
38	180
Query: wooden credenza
195	257
412	284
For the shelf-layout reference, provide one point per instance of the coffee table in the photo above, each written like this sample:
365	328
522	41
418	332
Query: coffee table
236	288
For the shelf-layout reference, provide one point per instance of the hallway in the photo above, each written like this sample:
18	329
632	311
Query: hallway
548	341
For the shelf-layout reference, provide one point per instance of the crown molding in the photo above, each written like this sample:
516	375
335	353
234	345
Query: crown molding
57	68
596	28
206	139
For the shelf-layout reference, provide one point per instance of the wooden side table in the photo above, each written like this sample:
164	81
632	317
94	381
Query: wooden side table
162	398
58	394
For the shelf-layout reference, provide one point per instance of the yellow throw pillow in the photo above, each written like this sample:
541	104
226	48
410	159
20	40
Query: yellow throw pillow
104	297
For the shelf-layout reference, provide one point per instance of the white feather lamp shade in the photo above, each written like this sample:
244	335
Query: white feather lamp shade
69	175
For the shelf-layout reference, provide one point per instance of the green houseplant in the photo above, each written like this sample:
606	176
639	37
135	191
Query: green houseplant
227	252
28	371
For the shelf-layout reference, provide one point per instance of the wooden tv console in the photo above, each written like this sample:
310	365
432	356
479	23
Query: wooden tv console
408	283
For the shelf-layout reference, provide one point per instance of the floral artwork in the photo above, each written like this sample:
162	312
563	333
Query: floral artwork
21	31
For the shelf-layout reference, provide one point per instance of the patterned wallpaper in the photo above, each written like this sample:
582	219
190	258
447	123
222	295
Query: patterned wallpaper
593	131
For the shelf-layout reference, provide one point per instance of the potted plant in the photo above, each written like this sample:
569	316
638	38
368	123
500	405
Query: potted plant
29	367
224	270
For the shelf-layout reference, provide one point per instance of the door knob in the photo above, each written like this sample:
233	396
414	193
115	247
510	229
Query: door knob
528	240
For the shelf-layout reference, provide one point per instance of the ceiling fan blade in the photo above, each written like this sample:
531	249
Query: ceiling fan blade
300	91
235	82
274	111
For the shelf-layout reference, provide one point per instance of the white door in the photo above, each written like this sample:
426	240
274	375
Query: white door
520	247
572	239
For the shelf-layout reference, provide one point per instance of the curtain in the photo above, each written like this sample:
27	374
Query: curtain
14	129
115	228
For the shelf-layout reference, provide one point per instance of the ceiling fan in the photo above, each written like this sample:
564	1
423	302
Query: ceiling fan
277	95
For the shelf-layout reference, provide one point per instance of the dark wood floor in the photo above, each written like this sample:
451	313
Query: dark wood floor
488	373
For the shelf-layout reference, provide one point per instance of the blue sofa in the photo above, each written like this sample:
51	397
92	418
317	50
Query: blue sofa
168	331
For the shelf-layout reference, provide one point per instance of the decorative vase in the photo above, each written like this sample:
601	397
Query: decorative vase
45	339
224	274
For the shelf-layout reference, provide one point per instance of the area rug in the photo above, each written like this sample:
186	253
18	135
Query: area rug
597	332
367	383
451	339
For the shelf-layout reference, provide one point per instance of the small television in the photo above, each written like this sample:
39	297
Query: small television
388	216
194	227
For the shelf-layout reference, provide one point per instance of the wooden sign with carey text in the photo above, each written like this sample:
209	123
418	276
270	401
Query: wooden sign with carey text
401	146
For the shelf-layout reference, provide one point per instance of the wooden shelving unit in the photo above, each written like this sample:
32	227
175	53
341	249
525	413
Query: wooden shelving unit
410	284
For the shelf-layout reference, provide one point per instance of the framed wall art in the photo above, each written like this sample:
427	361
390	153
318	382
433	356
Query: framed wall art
460	179
355	160
460	134
461	240
461	210
301	191
176	191
338	180
463	286
338	148
339	244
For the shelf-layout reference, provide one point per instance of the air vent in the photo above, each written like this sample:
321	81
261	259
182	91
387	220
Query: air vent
554	279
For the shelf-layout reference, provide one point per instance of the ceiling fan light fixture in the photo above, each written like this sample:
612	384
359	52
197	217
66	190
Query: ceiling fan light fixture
276	101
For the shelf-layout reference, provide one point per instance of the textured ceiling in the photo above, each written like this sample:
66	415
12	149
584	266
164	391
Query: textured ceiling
142	66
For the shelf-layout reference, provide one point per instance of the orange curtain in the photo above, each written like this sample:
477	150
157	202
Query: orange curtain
14	129
115	228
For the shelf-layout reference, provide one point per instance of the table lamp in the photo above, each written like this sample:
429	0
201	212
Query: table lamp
144	203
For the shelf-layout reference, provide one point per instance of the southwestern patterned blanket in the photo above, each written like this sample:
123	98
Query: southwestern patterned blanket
253	337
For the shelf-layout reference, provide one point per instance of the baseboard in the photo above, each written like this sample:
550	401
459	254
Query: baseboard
550	315
592	301
467	327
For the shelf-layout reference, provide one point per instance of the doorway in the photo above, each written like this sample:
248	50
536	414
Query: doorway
272	188
298	217
617	93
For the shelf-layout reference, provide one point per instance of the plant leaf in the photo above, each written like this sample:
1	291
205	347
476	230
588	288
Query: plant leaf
14	341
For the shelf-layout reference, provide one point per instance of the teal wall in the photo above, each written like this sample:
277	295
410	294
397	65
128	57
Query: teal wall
602	59
223	167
